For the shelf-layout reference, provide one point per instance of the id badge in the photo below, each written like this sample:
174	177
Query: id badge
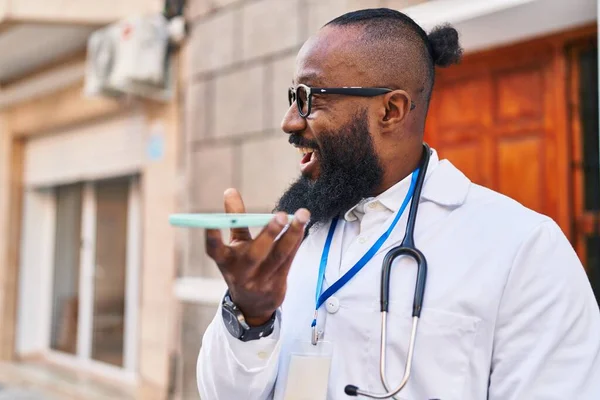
308	373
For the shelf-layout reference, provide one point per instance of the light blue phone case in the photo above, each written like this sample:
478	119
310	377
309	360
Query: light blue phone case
221	221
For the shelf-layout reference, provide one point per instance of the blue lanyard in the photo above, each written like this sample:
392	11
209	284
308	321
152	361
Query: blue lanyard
322	297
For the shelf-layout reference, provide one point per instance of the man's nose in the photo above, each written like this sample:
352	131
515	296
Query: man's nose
292	121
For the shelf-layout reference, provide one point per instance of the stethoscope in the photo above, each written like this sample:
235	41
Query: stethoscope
406	248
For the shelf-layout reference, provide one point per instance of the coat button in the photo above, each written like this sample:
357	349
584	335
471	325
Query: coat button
332	305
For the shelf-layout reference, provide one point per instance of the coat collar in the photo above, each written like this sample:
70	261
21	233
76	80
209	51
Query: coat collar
444	185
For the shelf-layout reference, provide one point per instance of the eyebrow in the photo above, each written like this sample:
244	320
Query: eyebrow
309	78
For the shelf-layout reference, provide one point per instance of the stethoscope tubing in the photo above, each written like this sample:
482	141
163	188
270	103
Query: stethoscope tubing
406	248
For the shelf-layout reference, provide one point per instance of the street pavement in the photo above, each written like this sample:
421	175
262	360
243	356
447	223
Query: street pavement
12	393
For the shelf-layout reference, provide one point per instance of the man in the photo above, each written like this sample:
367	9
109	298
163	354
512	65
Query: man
508	312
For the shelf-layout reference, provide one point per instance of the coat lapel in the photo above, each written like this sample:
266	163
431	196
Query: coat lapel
443	190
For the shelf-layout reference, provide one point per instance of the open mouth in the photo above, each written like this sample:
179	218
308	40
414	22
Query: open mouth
309	150
309	160
306	153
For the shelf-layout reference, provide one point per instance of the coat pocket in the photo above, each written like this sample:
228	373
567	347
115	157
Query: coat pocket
443	349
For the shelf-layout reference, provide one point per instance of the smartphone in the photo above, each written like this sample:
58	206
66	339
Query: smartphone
222	220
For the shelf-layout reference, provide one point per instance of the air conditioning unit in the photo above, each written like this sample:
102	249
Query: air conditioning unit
130	57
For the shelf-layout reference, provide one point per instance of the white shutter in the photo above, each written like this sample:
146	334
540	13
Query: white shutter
93	151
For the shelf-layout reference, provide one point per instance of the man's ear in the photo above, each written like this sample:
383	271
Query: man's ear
397	106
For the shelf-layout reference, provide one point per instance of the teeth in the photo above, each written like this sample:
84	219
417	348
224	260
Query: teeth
304	150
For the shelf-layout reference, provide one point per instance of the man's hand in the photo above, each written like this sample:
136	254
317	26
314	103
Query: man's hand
256	270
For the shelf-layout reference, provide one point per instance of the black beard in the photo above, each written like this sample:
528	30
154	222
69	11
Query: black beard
350	170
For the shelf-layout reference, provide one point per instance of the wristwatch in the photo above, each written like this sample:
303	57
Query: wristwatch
236	324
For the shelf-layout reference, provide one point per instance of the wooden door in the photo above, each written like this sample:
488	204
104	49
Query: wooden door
523	120
501	117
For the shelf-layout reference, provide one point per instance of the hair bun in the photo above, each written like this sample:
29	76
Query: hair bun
445	47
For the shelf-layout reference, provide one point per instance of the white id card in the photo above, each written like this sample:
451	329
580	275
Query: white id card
308	374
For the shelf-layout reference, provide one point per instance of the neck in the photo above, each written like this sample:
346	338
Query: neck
399	168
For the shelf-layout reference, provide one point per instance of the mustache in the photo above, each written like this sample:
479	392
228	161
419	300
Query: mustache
299	141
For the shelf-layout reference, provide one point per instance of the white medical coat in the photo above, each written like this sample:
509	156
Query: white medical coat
508	311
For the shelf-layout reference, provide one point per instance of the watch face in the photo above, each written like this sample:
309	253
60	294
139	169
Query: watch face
232	323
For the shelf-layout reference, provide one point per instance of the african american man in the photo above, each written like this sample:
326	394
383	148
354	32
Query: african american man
508	312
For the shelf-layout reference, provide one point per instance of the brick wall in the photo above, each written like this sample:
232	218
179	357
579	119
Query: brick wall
238	64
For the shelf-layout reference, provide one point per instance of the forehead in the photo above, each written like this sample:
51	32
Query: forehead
332	58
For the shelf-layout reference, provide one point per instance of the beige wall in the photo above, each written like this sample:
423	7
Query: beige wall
6	297
160	185
74	11
59	111
238	64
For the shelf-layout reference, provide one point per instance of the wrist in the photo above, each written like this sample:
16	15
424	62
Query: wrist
242	328
252	318
259	321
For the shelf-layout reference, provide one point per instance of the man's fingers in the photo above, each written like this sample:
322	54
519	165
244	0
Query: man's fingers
262	245
286	247
233	201
215	247
235	205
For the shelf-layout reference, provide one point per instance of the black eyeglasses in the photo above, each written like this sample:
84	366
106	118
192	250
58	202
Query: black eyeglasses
302	95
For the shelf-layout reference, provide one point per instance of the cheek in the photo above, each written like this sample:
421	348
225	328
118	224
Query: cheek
380	141
381	149
324	123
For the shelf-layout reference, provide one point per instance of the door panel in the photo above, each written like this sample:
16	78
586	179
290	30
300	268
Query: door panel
459	111
65	282
515	164
466	158
461	103
490	119
110	271
520	95
96	270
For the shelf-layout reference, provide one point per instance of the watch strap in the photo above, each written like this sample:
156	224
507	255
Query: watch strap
246	332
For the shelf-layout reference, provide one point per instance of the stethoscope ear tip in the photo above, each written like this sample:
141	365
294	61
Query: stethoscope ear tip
351	390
